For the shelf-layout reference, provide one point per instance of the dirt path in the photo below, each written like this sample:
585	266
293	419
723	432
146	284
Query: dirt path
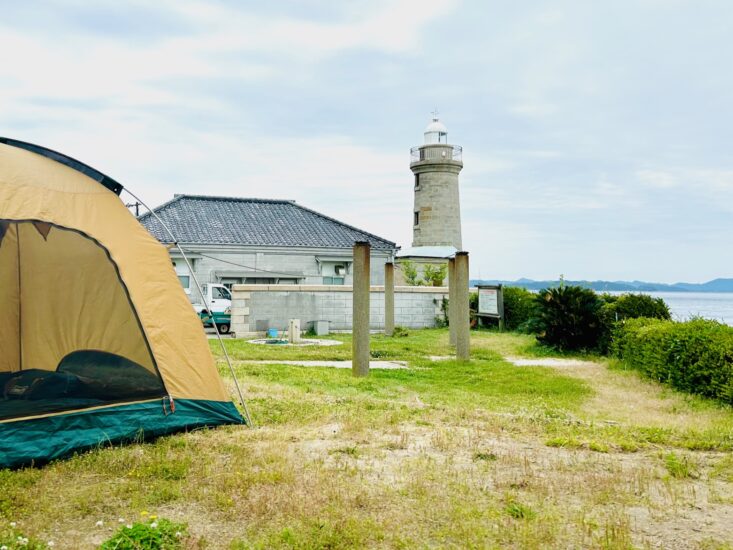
700	507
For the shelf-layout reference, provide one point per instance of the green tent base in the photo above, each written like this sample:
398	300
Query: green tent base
40	440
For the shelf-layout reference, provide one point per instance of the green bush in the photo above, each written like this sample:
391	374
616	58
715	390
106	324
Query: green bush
156	534
633	306
617	309
695	356
409	271
568	318
519	307
473	310
434	275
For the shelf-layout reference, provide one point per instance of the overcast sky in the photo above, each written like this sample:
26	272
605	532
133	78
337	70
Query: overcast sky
597	135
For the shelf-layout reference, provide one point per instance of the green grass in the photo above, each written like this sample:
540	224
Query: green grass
442	454
678	467
418	343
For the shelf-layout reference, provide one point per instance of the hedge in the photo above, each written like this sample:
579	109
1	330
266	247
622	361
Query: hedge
695	356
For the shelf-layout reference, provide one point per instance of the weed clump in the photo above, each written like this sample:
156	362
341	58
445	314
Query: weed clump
517	510
153	535
678	468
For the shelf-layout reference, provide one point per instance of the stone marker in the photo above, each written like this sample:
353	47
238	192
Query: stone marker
294	331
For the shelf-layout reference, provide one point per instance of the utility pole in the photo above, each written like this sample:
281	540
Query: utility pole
137	206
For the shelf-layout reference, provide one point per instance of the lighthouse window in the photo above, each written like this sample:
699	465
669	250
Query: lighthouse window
417	218
417	182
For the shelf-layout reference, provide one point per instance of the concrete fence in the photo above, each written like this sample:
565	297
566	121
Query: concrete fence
256	308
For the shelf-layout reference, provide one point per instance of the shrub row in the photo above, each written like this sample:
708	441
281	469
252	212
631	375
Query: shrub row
695	356
576	318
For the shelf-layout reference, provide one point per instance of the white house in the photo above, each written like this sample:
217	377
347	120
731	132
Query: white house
261	241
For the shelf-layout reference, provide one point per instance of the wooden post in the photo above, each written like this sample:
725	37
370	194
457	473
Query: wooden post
500	307
460	308
360	310
451	301
389	299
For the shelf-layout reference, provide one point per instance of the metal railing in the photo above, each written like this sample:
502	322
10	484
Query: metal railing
436	152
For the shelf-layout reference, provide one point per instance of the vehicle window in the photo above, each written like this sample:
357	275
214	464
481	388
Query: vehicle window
217	294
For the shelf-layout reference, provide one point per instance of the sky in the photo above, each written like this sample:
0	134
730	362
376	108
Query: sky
597	136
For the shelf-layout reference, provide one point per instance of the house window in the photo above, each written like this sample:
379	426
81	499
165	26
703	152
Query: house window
333	280
184	276
417	182
417	219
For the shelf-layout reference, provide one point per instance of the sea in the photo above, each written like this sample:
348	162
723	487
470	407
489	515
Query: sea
710	305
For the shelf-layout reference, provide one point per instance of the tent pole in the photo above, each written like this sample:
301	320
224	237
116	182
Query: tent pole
205	302
20	301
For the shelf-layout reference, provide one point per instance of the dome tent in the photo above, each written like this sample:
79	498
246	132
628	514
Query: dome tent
98	341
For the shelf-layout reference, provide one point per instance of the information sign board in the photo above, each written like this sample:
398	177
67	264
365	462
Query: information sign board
488	301
491	303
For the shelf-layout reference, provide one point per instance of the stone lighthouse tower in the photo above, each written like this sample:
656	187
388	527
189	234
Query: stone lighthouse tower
437	210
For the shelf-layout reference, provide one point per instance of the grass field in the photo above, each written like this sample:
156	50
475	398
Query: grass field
443	454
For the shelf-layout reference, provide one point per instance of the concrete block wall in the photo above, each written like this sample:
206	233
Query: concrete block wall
284	261
257	306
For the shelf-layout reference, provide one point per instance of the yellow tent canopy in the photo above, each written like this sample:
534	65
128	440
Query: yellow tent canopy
98	342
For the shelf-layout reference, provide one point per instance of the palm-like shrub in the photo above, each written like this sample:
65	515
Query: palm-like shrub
568	318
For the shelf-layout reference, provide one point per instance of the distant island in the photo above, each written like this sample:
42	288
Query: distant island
716	285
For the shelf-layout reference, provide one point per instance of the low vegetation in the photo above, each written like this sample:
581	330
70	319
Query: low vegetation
695	356
568	318
441	454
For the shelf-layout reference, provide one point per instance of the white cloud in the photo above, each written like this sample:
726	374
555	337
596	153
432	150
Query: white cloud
697	184
658	179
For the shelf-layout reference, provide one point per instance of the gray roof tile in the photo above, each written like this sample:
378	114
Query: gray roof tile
201	219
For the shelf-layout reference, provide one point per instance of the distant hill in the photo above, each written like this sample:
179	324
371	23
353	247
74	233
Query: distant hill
716	285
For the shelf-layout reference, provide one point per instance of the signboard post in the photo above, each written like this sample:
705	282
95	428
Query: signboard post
491	303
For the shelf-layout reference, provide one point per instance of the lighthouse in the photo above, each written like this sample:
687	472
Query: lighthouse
437	209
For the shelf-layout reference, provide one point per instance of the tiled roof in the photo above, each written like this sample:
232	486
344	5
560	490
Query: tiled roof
200	219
